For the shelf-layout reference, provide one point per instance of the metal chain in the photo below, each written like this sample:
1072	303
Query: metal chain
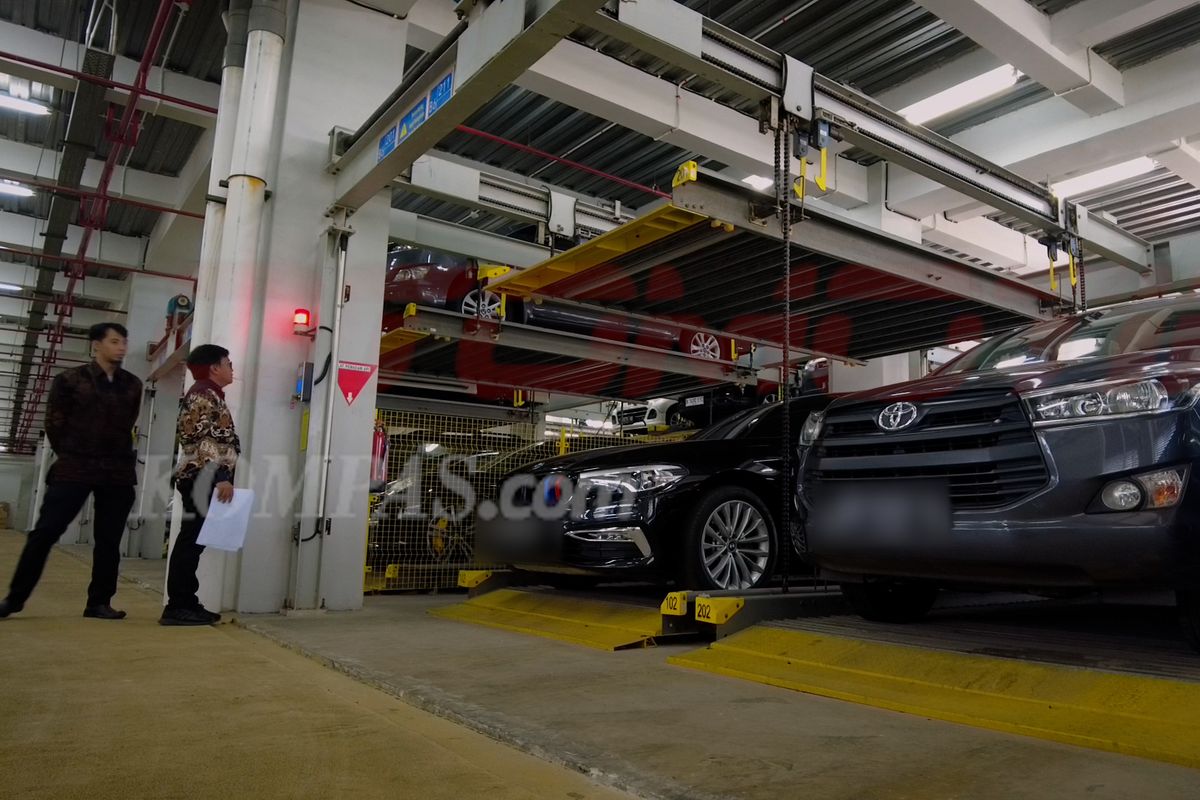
783	204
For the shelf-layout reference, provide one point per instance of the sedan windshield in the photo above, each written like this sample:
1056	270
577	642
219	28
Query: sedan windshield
1096	335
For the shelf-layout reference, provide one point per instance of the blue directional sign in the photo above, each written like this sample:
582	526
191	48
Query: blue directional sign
441	93
387	144
413	120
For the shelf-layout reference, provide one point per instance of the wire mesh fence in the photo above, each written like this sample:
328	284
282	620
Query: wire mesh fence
421	525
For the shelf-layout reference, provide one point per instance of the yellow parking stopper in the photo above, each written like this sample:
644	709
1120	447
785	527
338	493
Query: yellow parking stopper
688	171
822	179
489	271
410	310
718	610
471	578
675	604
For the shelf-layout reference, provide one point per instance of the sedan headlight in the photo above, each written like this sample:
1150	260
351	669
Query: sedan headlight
1081	403
812	428
410	274
633	480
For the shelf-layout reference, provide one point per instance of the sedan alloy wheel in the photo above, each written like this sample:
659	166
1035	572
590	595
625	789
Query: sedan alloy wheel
735	546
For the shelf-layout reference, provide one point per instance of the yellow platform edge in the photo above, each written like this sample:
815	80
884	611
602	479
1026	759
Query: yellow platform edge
592	623
1129	714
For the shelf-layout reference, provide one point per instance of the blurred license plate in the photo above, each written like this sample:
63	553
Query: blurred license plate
884	511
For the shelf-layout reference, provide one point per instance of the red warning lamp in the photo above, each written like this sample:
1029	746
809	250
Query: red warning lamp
302	322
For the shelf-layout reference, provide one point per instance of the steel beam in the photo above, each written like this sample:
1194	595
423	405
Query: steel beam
500	42
440	235
437	322
1021	35
860	244
434	175
746	67
1091	22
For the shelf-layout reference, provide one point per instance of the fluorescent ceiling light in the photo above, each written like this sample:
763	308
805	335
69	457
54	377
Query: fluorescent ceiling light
24	106
1103	177
9	287
979	88
15	189
759	182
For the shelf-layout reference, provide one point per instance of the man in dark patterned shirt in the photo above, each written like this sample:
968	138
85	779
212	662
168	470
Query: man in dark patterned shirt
209	451
89	421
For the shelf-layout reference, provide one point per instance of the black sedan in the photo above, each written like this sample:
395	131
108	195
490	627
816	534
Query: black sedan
704	511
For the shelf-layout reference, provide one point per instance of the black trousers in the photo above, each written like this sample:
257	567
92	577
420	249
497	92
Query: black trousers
59	507
182	583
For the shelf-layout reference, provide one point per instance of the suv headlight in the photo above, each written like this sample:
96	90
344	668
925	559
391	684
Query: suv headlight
813	426
1108	399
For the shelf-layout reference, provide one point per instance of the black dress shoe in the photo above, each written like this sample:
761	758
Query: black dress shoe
103	612
7	607
188	616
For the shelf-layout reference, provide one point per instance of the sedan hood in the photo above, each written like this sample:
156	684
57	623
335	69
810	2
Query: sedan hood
631	456
1181	361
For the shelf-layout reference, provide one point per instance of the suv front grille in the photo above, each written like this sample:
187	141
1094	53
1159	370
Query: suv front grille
980	443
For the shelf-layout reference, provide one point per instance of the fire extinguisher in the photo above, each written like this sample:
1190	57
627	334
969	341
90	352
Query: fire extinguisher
379	452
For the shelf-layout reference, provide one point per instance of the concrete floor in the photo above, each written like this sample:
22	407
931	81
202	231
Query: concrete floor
102	709
632	721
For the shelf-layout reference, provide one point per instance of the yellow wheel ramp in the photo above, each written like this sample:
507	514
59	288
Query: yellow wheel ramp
1123	713
640	232
593	623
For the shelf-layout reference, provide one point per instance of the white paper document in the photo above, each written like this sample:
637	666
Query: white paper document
225	526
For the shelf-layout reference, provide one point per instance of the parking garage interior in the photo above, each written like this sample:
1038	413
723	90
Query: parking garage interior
654	398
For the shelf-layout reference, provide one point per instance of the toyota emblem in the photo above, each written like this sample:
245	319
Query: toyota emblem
897	417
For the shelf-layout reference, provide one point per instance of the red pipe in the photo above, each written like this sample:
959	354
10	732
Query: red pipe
491	137
116	198
97	264
105	82
94	211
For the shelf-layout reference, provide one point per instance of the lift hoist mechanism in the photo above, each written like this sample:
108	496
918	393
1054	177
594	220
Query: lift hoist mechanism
820	110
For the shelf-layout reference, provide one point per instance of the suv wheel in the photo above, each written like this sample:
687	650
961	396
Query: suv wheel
888	601
729	541
1188	603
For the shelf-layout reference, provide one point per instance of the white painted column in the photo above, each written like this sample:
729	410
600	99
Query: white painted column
317	91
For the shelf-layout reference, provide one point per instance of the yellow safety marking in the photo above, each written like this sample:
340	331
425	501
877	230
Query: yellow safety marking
1132	714
395	339
718	610
799	186
1053	278
470	578
687	172
562	441
640	232
822	179
733	353
605	626
518	398
392	571
489	271
503	305
675	604
1074	271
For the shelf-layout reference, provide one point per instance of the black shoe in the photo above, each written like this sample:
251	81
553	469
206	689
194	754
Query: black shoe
8	607
103	612
188	616
214	616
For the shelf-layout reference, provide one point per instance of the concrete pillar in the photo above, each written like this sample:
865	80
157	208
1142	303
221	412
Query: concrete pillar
339	62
